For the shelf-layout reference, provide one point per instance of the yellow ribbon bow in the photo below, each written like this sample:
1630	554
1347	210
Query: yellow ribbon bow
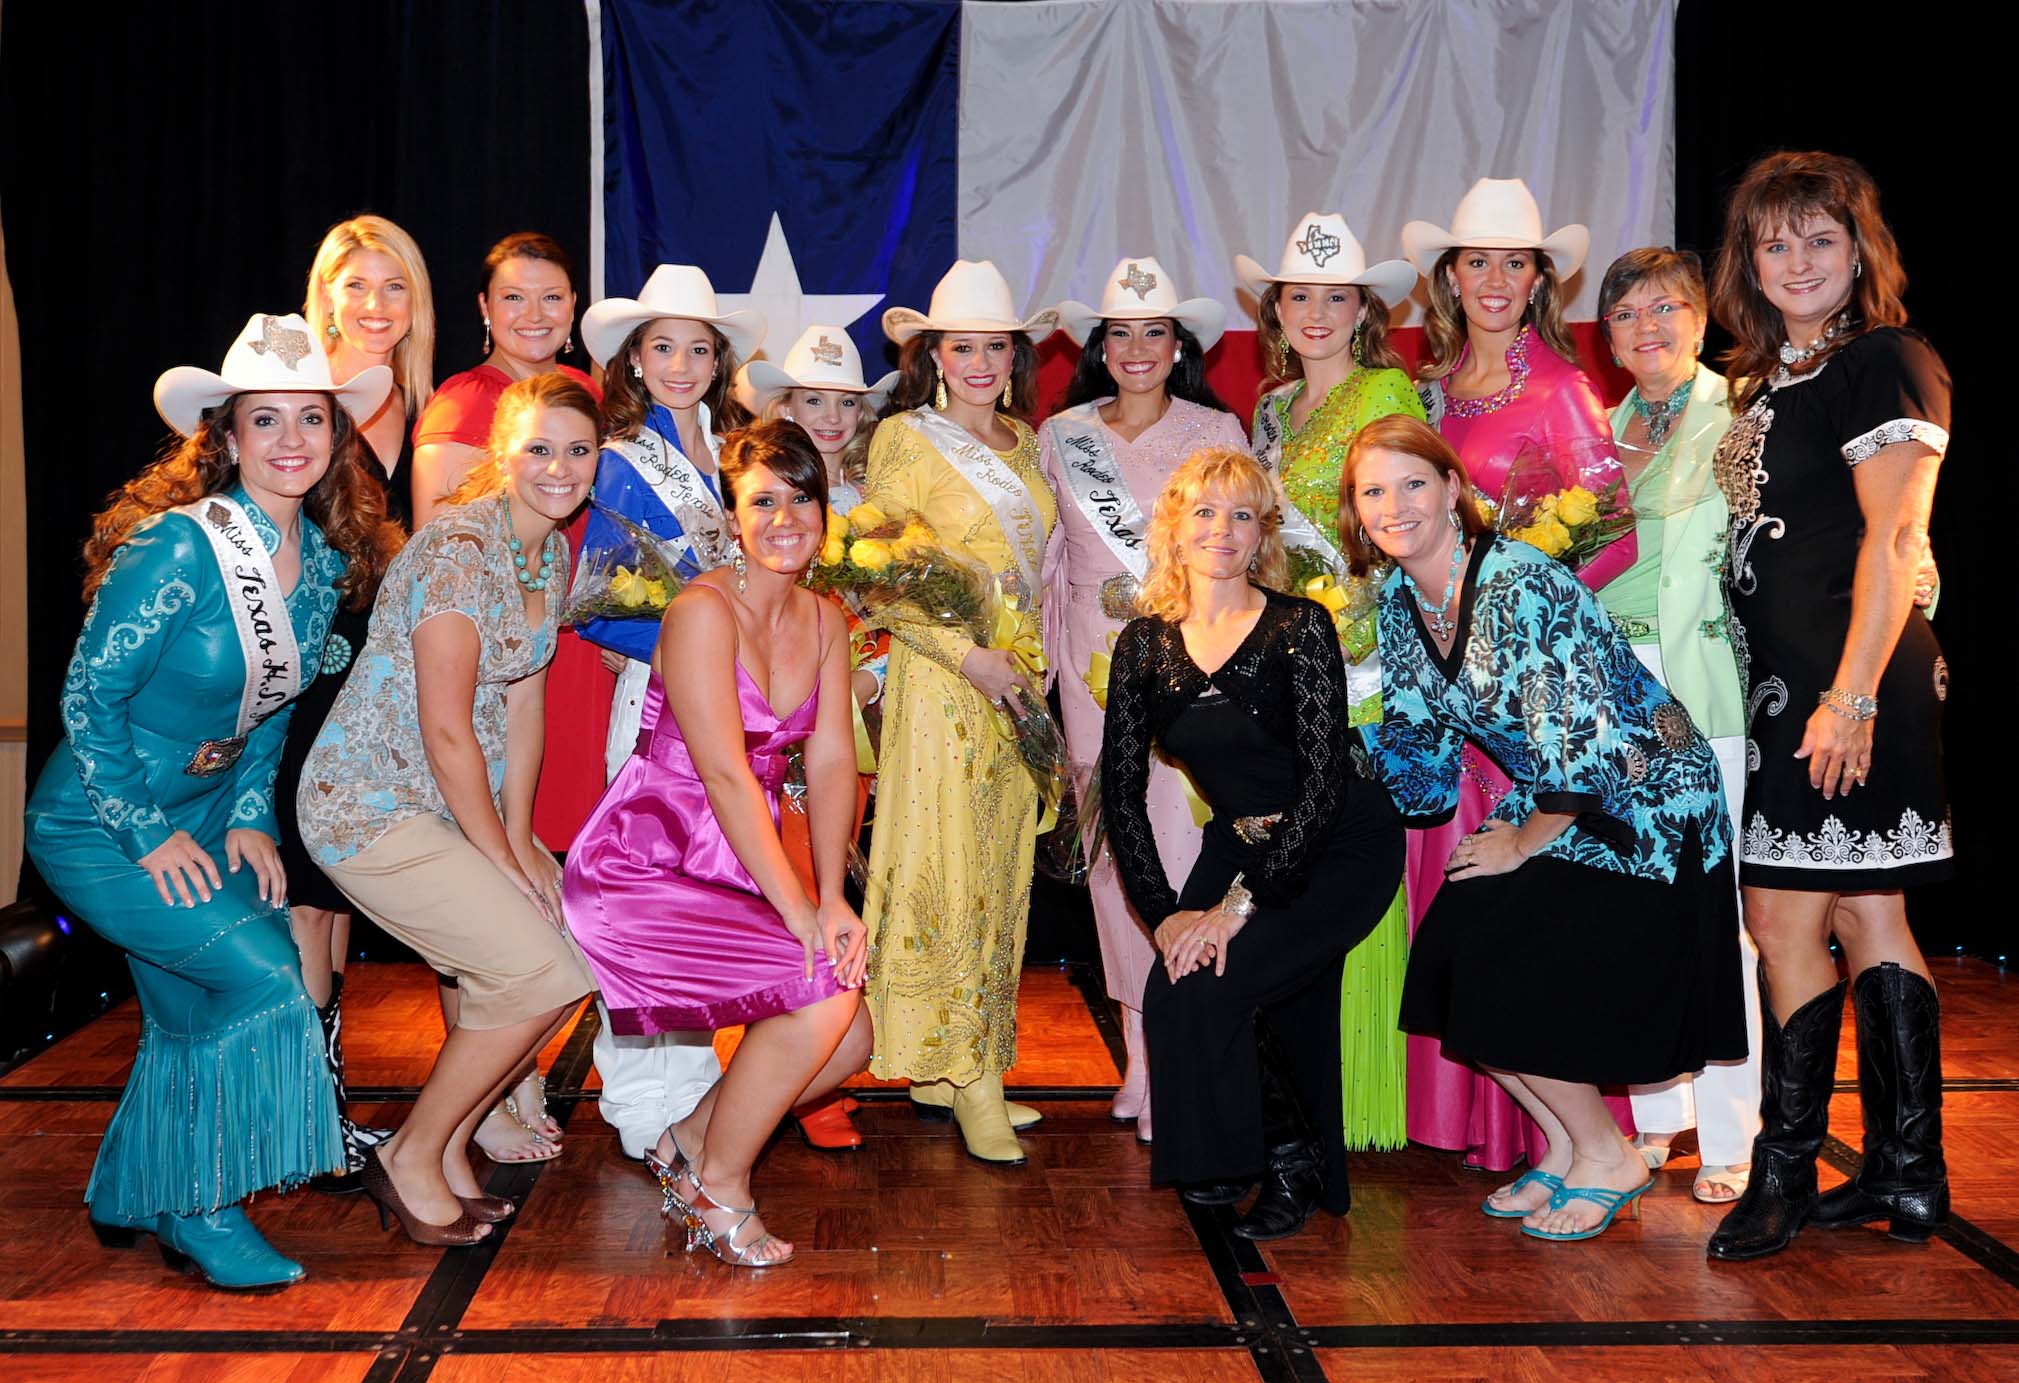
1100	666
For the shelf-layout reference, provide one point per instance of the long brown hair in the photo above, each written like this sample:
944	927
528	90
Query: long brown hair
1444	324
1779	192
348	505
1371	346
1167	588
1412	437
918	376
626	402
521	397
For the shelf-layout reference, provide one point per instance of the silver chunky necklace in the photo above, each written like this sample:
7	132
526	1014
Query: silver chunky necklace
1793	355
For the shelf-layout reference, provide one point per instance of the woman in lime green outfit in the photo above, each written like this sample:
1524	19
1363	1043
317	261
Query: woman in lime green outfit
1324	318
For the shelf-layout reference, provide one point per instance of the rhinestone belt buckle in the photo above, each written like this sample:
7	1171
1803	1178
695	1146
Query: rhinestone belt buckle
1254	830
213	757
1118	597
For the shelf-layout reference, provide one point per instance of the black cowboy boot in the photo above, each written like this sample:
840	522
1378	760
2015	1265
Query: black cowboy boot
1797	1072
1904	1179
357	1138
1294	1184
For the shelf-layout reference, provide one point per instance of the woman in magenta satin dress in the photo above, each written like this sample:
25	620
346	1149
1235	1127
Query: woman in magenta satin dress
679	890
1500	382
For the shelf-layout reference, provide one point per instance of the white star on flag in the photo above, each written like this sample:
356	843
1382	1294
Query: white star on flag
787	309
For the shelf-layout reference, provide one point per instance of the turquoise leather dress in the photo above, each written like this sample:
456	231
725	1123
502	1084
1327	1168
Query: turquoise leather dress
230	1091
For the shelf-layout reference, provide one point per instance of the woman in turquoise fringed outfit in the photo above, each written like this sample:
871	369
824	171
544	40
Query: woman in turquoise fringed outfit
154	818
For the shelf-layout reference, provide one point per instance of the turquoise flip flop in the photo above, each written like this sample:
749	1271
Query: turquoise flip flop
1612	1202
1549	1179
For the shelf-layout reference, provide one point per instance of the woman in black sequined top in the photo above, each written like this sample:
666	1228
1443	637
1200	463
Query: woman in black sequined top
1300	859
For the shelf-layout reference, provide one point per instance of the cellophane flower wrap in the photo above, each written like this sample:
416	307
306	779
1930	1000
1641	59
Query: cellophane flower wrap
892	569
636	578
1566	499
1351	601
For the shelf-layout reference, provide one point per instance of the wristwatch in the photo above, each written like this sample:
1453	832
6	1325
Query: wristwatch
1849	705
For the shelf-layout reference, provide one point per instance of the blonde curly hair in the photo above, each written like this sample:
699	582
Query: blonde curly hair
1167	590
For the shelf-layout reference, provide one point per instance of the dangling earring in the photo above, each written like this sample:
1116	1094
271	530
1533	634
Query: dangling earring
1456	527
1365	541
1177	352
231	449
568	346
1615	358
939	390
742	568
1009	402
1279	354
1858	269
487	336
330	330
1254	564
1359	338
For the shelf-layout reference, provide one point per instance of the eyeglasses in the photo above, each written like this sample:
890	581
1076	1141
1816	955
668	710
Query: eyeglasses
1661	312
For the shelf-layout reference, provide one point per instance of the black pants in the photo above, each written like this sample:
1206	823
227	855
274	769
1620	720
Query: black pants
1284	967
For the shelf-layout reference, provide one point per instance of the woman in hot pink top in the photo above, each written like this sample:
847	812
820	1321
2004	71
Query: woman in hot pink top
1500	383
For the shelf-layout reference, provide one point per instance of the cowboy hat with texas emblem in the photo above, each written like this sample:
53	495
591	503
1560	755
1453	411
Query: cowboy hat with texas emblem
1139	290
822	358
1323	249
674	290
275	354
973	296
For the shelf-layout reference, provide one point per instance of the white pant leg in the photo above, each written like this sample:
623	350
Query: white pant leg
650	1082
627	703
1722	1102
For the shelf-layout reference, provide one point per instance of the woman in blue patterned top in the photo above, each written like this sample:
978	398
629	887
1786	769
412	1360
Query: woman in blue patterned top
212	578
1608	860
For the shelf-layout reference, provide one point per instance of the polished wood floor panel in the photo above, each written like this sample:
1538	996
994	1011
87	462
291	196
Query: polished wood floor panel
924	1264
861	1366
1676	1364
190	1368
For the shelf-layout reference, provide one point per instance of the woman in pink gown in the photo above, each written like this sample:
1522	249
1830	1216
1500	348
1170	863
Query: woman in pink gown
1501	385
1138	406
678	888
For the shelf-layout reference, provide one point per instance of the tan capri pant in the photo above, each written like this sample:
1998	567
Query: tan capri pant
428	886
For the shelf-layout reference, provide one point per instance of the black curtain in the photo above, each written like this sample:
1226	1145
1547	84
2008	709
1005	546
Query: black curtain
169	170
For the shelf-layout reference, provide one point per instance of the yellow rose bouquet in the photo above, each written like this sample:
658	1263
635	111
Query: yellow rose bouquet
890	570
635	578
1567	501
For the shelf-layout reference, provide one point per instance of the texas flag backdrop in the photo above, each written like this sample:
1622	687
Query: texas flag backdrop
823	161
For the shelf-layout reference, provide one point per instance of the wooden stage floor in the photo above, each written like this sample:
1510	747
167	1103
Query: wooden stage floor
918	1263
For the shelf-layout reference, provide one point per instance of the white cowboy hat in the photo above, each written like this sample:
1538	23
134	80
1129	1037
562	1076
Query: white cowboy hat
822	358
1497	214
1323	249
275	354
674	290
1139	290
973	296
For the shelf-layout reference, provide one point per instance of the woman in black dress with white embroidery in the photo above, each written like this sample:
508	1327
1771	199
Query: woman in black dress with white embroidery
1829	471
1299	862
370	303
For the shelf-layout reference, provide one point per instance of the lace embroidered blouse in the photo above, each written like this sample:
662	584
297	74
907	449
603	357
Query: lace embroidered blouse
1288	678
369	769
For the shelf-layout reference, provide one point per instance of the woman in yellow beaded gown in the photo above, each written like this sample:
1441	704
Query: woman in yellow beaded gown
948	895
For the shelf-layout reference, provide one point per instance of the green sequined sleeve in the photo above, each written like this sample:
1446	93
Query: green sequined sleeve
1386	392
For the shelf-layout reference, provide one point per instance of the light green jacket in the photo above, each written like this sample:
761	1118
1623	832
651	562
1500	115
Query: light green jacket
1696	648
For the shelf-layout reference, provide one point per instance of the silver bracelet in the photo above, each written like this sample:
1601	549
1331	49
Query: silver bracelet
1239	902
1849	705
